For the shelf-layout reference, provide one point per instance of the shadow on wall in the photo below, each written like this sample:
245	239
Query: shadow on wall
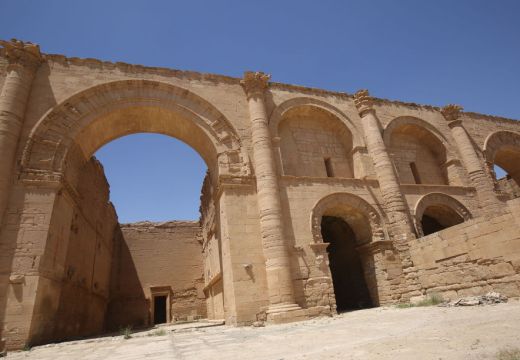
128	305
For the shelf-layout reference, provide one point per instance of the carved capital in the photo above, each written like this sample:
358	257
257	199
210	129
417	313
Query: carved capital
364	102
451	112
255	82
21	53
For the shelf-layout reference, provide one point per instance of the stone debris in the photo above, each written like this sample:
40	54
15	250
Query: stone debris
487	299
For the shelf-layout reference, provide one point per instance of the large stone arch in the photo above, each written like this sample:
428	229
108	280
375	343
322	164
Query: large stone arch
429	137
438	199
131	106
357	212
502	148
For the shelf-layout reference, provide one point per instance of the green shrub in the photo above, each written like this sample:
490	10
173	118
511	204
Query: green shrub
126	332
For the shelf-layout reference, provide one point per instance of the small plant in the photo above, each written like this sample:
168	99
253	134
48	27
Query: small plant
508	354
159	332
27	347
126	332
404	305
432	299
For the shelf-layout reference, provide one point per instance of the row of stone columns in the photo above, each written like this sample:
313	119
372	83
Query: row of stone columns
401	228
24	60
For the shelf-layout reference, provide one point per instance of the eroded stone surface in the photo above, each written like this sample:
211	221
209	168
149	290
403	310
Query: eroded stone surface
280	158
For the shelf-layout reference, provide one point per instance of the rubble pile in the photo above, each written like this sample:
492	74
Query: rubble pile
487	299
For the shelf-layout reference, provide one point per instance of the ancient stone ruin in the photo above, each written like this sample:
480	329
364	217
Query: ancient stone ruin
314	202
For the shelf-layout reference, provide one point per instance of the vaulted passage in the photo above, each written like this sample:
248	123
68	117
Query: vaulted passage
345	264
437	218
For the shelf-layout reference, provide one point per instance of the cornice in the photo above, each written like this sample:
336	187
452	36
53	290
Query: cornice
136	69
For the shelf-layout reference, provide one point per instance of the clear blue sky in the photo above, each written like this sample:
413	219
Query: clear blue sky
433	52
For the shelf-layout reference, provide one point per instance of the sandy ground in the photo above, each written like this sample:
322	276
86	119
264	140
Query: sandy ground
382	333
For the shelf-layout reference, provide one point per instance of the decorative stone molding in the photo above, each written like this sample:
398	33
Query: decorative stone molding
281	110
497	140
255	83
52	137
451	112
348	201
363	101
21	53
426	126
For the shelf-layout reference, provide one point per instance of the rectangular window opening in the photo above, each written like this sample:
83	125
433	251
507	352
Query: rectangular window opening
328	167
415	173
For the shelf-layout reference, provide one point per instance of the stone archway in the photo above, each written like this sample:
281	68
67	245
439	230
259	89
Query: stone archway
344	226
440	211
132	106
502	148
56	158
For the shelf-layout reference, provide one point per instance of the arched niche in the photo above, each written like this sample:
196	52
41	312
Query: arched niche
421	154
438	211
314	138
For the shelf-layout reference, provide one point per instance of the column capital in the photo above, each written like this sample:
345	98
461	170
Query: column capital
255	83
364	102
22	53
451	112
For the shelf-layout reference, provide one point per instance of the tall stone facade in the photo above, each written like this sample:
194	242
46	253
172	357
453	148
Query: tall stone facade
314	202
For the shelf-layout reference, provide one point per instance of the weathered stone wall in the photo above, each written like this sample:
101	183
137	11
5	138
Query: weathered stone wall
265	145
152	255
309	138
73	288
472	258
509	187
85	285
211	252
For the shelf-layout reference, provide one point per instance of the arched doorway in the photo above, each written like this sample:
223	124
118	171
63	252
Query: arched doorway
502	152
346	267
436	211
437	218
349	225
57	161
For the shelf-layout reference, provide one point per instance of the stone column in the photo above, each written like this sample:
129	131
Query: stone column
479	177
393	201
24	59
276	253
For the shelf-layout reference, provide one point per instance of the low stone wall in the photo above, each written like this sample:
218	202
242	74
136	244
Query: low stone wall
472	258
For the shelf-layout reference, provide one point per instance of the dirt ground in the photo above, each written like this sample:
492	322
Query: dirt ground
477	332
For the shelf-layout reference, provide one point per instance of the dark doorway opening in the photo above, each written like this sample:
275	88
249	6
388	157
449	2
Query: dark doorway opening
437	218
348	278
159	309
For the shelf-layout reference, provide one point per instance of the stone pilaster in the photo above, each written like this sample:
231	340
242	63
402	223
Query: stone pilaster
483	183
393	201
399	222
24	59
276	253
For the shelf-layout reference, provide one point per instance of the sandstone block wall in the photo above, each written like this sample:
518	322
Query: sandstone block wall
268	147
152	255
472	258
73	290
